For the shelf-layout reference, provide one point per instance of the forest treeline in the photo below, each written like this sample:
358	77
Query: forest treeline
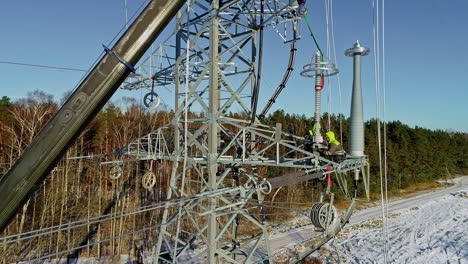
77	189
413	155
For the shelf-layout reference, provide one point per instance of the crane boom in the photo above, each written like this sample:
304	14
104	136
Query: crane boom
87	100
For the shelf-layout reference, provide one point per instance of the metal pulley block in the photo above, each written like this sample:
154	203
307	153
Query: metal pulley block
323	215
151	100
265	187
149	180
115	172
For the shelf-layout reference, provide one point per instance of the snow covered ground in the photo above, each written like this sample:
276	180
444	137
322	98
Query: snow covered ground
429	228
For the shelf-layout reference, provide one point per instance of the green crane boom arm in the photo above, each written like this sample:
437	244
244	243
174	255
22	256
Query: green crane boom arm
94	91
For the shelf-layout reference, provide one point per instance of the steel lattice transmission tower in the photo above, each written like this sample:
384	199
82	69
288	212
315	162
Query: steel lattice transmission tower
215	156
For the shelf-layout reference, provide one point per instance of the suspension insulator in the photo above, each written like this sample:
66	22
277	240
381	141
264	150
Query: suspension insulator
322	215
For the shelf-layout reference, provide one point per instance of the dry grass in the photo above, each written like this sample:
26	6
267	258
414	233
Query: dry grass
341	205
411	191
416	189
312	260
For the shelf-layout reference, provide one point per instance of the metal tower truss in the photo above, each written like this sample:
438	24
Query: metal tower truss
239	24
215	156
271	147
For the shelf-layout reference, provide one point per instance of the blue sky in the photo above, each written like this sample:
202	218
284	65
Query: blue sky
426	54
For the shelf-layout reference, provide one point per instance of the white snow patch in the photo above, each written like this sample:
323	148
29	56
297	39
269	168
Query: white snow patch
432	231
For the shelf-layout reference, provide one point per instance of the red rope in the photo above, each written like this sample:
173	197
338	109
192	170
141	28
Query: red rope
320	87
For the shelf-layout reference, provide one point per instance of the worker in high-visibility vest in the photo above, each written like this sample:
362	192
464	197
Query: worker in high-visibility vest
312	131
334	146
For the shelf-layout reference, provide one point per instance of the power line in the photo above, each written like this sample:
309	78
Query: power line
42	66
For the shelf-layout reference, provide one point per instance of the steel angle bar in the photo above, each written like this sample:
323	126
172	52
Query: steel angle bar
195	224
199	4
164	235
194	142
233	141
254	131
286	161
200	234
277	13
265	149
365	179
226	119
193	93
343	183
204	51
291	151
200	175
193	42
235	93
236	44
223	176
204	16
223	254
258	129
224	108
235	20
197	98
236	35
267	162
235	53
192	139
257	238
255	247
222	208
239	8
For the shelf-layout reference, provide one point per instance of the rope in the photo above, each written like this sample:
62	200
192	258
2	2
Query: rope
329	92
92	220
137	210
383	177
384	118
312	34
338	75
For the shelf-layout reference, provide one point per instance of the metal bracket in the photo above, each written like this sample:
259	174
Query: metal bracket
124	62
